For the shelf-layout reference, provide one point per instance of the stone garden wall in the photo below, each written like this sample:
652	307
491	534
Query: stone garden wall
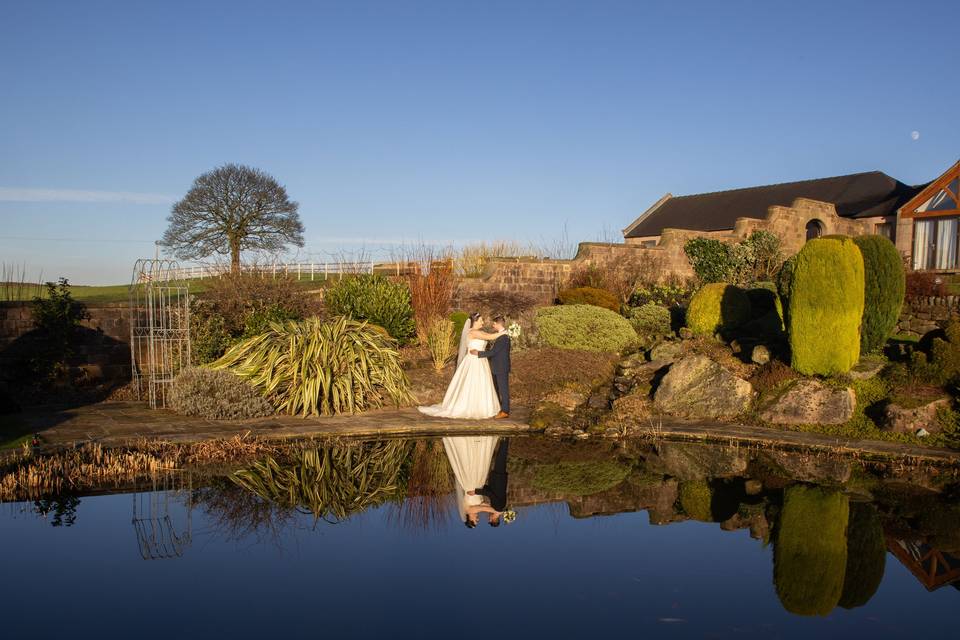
922	315
104	349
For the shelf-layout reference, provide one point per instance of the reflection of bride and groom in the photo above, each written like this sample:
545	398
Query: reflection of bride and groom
480	487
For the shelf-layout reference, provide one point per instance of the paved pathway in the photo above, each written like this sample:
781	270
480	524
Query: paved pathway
119	422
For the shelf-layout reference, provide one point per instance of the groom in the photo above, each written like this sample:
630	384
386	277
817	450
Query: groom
499	354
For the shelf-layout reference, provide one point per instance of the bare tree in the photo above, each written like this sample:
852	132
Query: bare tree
231	209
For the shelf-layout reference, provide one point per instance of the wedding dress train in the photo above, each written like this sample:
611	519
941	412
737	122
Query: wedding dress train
470	458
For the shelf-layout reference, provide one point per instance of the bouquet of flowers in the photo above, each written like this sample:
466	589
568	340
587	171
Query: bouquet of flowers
509	516
514	330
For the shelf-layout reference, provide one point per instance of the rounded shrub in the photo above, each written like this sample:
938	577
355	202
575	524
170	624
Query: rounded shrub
810	552
717	307
579	478
374	298
651	321
318	367
581	326
590	295
866	556
884	288
826	305
216	395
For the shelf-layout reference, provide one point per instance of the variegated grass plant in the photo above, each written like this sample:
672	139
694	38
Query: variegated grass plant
321	367
440	341
332	482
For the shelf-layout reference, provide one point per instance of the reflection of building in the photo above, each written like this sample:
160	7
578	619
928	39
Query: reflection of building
931	567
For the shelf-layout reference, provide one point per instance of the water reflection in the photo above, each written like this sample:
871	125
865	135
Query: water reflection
828	521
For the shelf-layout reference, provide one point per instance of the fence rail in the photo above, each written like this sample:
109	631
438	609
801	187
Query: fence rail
302	270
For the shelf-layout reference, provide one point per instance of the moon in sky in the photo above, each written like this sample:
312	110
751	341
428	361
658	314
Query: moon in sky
915	135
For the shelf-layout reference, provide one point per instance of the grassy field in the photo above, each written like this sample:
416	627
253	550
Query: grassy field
12	432
114	293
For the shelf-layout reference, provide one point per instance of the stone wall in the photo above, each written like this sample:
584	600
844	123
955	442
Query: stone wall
922	315
103	351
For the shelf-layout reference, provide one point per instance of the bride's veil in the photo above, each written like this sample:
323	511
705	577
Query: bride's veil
464	340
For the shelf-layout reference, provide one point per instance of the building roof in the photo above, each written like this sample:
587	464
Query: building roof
859	195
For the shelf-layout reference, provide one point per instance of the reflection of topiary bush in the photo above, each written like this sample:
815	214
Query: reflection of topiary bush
695	498
216	395
826	305
884	286
810	552
590	295
579	478
650	321
317	367
717	307
586	327
374	298
866	556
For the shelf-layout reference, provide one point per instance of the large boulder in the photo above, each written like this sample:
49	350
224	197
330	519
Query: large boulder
698	387
811	402
901	419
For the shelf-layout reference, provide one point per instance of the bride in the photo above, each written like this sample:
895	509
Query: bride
471	393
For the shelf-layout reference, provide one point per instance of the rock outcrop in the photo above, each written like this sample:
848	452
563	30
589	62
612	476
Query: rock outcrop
811	402
900	419
698	387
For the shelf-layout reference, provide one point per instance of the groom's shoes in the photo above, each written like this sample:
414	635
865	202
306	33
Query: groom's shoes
501	416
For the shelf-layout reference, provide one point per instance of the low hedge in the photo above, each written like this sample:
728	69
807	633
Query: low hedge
216	395
581	326
590	295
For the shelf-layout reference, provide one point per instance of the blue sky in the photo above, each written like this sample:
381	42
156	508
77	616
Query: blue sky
448	121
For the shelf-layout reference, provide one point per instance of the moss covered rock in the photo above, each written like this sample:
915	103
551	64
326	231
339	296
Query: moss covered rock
810	552
716	308
586	327
826	307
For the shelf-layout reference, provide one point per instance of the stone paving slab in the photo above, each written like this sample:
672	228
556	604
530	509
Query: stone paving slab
119	422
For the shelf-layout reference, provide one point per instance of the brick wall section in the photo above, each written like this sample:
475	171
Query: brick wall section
104	349
923	315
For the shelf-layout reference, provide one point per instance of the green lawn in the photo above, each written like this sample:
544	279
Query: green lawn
12	432
113	293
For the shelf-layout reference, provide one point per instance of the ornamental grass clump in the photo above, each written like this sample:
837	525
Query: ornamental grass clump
316	367
376	299
826	307
440	342
216	395
884	288
717	308
590	295
586	327
810	552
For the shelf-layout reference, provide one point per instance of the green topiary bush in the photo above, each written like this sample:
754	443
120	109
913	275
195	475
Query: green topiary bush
377	299
589	295
458	318
651	321
940	363
826	305
711	259
884	288
579	478
581	326
866	556
810	552
717	307
216	395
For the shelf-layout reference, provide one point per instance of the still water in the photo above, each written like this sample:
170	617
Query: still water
370	540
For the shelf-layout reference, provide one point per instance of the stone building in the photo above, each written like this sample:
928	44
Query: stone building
921	220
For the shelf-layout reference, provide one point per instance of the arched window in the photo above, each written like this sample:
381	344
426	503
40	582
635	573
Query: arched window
814	229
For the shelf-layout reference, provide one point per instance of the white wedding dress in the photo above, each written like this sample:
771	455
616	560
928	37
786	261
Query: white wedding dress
471	393
470	458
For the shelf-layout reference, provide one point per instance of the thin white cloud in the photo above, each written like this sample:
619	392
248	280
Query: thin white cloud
19	194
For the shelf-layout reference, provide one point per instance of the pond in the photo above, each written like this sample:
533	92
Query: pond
376	539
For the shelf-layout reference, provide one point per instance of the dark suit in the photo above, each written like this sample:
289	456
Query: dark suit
499	355
496	487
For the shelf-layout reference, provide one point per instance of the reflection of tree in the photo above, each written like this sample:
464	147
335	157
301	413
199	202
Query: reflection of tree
430	496
810	552
331	482
866	556
238	513
63	508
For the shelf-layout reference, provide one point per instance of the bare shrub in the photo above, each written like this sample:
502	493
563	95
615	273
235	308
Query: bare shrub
471	260
236	296
620	275
431	286
216	395
14	286
509	303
